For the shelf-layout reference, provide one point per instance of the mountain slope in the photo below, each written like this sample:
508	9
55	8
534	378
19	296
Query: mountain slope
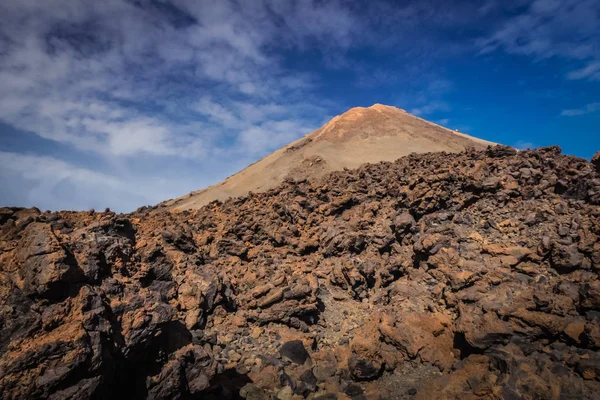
361	135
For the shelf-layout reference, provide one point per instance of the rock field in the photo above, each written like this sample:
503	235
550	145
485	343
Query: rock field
437	276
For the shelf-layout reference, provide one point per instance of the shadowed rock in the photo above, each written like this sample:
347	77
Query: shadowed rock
596	161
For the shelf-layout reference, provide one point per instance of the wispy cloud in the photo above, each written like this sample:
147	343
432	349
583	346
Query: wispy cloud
77	76
591	72
523	145
440	87
550	28
430	108
129	80
261	127
587	109
431	99
60	182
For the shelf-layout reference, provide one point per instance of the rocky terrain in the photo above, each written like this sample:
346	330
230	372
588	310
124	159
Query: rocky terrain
437	276
360	135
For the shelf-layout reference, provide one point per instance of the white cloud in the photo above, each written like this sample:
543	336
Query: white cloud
587	109
66	79
430	108
523	145
272	135
550	28
591	72
217	112
430	99
254	112
262	127
53	182
123	82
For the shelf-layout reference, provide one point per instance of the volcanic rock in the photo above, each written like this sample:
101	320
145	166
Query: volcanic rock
436	276
294	351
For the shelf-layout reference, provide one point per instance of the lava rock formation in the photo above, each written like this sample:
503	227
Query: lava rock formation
438	276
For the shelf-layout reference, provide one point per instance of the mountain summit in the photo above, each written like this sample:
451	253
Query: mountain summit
360	135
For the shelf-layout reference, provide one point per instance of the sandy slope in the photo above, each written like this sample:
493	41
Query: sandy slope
360	135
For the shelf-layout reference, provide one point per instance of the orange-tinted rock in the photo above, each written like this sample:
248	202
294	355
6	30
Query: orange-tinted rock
470	275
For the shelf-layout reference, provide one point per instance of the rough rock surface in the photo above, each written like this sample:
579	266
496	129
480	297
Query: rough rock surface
438	276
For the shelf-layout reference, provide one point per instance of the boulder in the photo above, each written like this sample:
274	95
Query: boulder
294	351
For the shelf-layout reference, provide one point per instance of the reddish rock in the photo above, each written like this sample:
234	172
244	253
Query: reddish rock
470	275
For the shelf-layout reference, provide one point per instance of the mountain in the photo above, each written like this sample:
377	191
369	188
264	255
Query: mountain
446	276
361	135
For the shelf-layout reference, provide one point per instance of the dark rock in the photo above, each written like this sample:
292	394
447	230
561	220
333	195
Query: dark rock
353	389
294	351
566	258
309	379
306	384
500	151
596	161
362	369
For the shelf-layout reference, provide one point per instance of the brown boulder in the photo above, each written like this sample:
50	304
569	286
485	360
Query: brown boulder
45	267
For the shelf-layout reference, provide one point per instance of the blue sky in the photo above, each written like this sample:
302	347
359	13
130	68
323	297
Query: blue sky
122	103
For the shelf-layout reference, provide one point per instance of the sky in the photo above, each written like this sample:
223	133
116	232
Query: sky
125	103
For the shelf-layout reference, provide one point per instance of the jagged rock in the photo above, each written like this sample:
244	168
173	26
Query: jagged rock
404	221
471	275
45	267
362	369
294	351
566	258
